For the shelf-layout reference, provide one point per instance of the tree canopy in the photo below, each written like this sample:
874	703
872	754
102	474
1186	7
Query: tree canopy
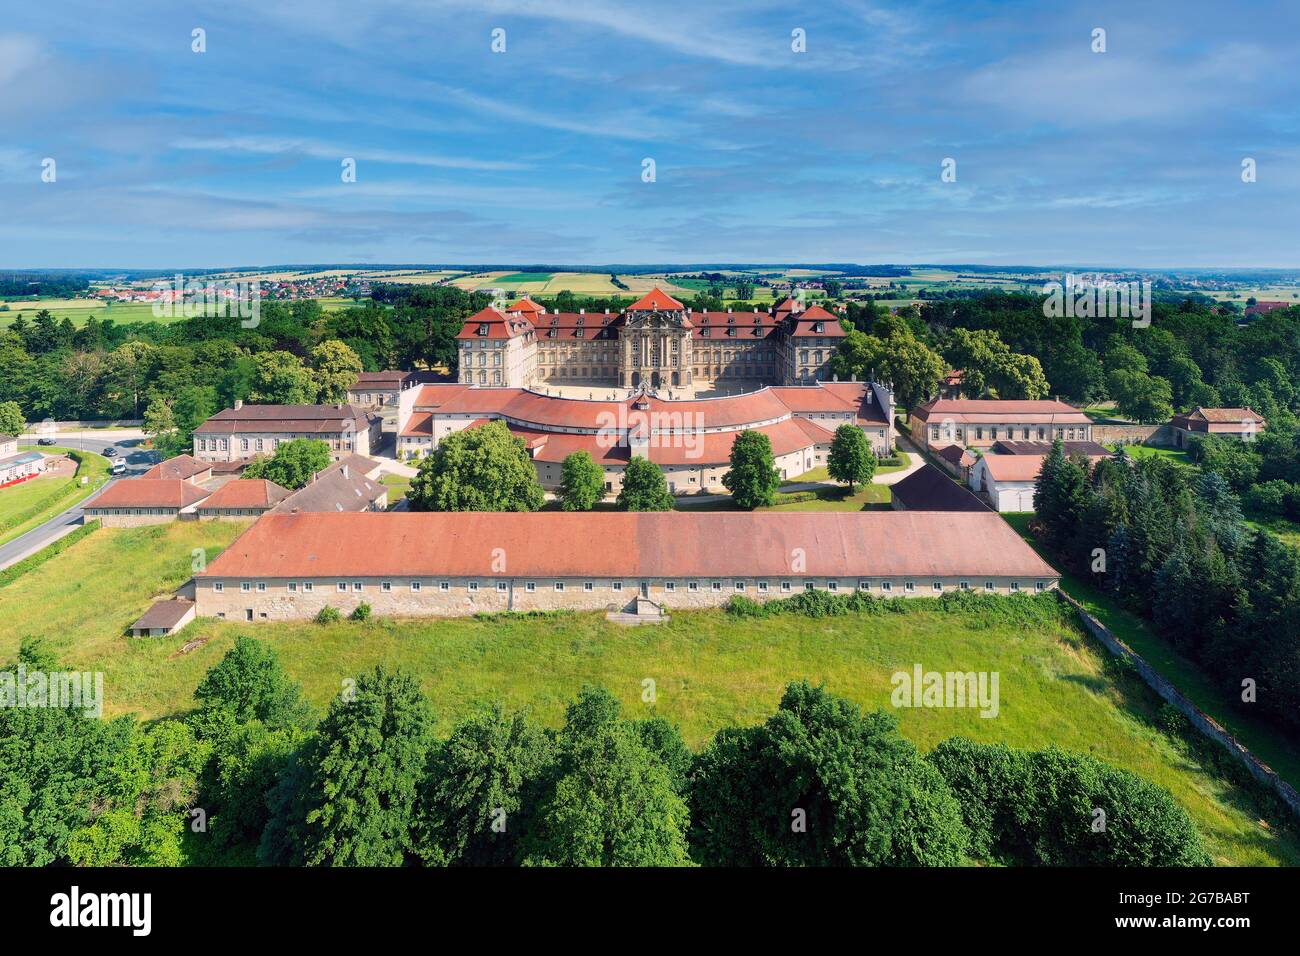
477	469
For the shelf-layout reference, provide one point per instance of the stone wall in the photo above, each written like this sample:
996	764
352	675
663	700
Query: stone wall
271	599
109	520
1202	721
1133	434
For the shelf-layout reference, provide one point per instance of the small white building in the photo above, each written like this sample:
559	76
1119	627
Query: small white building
1007	481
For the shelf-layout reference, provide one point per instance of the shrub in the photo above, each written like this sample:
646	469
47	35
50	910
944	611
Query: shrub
821	784
1056	808
328	615
360	613
1268	497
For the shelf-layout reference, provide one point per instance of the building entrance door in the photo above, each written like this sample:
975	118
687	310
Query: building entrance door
645	589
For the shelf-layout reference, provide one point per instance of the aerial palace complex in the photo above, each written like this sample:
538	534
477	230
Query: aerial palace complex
656	343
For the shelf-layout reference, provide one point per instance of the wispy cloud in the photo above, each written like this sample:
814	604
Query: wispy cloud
276	146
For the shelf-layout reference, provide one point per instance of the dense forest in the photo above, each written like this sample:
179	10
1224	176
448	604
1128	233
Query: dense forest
1193	353
196	366
1170	543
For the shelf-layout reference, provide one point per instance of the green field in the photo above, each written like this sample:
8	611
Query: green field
79	310
711	669
20	497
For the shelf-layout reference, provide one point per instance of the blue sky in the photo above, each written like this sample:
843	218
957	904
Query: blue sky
169	158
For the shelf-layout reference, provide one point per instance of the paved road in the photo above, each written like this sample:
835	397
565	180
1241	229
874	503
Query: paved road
138	460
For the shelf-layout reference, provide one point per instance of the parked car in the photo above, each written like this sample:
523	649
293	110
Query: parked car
110	451
119	466
45	441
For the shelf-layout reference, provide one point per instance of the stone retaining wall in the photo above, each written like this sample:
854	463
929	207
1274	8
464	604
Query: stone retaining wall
1202	721
1133	434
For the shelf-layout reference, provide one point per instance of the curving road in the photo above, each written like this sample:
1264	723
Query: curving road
138	460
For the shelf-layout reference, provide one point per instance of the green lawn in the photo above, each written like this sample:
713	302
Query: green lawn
710	669
827	499
397	485
95	467
1260	737
1176	455
20	497
1287	530
823	473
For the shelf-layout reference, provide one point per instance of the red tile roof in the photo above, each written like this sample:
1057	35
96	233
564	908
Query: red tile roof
816	321
1204	419
149	493
628	544
389	379
489	323
305	419
656	299
531	408
419	425
980	411
524	304
180	466
245	493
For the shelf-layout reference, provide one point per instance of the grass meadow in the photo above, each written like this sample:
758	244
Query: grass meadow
710	669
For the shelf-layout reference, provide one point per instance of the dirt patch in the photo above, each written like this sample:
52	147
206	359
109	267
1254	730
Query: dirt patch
189	646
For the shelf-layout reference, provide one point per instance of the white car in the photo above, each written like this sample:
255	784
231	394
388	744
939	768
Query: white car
118	466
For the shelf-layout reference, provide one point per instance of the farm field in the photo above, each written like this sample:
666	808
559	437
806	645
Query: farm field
711	669
79	310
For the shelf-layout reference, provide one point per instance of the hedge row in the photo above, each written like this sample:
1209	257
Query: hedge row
989	609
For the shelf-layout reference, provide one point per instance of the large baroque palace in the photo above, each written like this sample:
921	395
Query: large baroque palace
656	344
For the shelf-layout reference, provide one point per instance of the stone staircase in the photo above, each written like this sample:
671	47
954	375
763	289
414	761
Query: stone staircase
641	610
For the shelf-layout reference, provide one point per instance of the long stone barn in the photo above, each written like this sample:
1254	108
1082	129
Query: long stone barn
406	564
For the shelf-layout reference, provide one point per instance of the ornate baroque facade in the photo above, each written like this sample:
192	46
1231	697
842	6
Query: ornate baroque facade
657	343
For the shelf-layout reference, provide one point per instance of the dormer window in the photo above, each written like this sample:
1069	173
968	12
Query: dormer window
483	328
819	327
